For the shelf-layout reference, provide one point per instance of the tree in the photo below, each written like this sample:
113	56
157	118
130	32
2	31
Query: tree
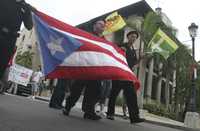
183	78
180	61
24	59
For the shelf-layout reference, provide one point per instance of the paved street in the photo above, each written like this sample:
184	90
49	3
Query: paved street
24	114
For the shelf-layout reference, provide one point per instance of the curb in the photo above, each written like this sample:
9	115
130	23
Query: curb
42	99
166	125
171	126
147	121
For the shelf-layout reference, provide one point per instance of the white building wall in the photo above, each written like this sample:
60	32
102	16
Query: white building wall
27	42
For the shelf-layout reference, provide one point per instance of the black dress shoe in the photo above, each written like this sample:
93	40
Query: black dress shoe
137	120
65	112
110	117
56	107
91	116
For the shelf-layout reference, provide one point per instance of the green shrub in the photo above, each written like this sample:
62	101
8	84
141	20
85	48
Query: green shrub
159	110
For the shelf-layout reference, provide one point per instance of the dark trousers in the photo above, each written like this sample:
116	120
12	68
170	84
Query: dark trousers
91	95
105	90
7	46
59	92
130	97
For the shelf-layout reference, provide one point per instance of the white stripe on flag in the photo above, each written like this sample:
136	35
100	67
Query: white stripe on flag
90	58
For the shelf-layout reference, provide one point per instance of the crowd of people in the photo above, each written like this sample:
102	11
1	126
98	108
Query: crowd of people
95	92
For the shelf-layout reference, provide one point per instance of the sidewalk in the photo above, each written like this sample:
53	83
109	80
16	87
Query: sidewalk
150	118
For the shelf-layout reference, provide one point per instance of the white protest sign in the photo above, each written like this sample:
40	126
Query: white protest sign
19	74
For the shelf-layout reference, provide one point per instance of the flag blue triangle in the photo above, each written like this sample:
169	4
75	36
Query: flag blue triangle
55	46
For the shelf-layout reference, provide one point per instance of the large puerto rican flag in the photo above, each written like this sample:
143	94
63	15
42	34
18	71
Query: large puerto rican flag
71	53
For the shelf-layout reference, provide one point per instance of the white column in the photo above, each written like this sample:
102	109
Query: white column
167	93
149	80
159	84
141	77
173	85
159	87
174	79
167	86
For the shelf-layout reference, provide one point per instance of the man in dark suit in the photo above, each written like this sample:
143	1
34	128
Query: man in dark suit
126	86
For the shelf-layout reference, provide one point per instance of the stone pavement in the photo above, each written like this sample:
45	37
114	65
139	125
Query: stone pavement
150	118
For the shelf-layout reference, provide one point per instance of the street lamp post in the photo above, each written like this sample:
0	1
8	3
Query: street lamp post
192	103
192	118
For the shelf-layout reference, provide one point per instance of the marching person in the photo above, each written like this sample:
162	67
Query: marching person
91	95
92	89
58	95
35	81
127	86
106	85
12	14
105	91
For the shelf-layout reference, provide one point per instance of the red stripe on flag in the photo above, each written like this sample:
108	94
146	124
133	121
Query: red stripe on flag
94	73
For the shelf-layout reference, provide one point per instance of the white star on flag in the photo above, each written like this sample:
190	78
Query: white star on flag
55	45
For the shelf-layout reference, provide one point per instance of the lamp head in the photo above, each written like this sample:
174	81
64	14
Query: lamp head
193	30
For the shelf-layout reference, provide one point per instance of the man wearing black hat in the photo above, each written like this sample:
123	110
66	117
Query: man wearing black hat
126	86
12	14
